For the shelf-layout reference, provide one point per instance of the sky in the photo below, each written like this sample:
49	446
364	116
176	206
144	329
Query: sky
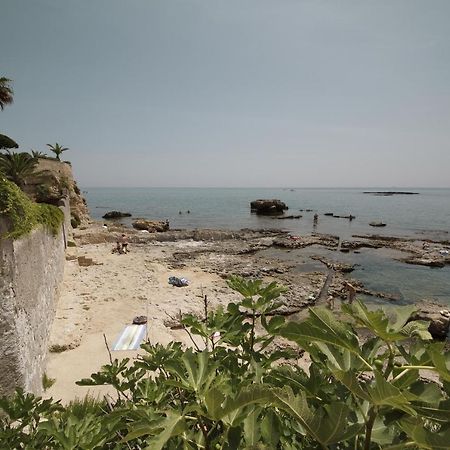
233	93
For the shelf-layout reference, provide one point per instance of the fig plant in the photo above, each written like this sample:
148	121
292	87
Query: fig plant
241	387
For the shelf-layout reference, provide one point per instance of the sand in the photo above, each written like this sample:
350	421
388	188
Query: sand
99	300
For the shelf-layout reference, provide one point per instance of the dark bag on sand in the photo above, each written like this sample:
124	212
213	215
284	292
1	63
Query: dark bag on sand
178	282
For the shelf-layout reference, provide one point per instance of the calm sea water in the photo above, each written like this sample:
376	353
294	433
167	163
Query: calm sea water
426	215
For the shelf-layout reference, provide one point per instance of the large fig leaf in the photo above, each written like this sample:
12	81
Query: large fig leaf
321	326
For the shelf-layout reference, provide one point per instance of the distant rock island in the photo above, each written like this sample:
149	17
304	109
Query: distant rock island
390	193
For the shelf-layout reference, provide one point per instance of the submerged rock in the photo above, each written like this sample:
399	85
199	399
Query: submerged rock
430	262
289	217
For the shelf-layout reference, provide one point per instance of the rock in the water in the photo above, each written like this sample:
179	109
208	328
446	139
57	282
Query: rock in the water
268	207
152	226
430	262
116	215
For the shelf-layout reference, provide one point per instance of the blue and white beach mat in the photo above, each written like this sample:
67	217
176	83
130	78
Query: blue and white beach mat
130	338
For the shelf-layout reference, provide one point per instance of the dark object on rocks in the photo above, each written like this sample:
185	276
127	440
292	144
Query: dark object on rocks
268	207
140	320
377	224
116	215
152	226
328	214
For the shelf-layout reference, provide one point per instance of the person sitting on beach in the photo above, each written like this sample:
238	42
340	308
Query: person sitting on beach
123	241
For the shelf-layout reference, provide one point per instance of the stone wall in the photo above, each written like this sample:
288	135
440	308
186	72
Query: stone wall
31	271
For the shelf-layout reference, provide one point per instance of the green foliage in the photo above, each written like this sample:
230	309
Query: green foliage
57	150
17	167
7	143
75	220
6	92
47	382
24	214
38	154
233	390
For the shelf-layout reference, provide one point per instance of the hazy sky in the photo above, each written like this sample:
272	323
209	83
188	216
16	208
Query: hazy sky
233	92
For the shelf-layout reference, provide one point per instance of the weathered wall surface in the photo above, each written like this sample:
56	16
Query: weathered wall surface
31	270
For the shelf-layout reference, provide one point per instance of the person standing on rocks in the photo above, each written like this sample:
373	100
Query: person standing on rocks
351	292
330	302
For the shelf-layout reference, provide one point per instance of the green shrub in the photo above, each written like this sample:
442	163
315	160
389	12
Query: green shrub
235	390
24	214
47	382
75	220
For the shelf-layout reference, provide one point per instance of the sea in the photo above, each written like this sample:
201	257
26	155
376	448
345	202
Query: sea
424	215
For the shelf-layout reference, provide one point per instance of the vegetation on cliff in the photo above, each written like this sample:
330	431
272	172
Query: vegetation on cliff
24	214
238	390
17	167
57	150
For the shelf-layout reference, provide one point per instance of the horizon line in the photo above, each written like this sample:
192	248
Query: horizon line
269	187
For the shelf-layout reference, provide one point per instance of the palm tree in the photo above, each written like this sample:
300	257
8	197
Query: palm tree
6	92
17	167
38	154
57	150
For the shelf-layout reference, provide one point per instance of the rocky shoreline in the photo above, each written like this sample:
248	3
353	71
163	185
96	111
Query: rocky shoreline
247	253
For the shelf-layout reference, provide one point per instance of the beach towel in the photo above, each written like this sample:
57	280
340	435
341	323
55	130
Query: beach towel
130	338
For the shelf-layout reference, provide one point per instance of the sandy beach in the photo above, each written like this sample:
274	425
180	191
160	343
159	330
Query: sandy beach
103	291
101	299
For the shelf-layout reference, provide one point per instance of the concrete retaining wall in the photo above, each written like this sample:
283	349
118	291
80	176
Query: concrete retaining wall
31	271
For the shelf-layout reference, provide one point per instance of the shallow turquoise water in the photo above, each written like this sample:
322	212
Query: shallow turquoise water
379	271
